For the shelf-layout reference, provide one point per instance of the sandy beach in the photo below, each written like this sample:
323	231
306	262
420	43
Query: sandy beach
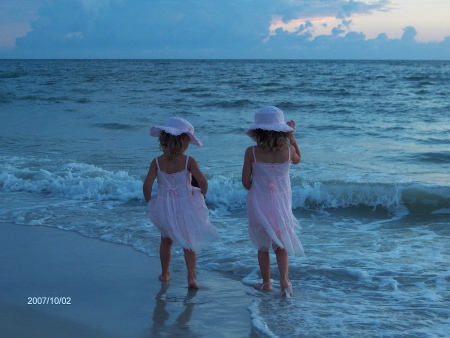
112	289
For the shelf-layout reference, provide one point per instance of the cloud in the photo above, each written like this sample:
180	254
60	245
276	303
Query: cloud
110	25
362	7
208	29
15	18
409	34
321	14
355	45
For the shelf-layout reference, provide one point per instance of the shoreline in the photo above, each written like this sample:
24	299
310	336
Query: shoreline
113	290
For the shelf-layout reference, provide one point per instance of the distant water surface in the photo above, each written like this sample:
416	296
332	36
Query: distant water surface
372	192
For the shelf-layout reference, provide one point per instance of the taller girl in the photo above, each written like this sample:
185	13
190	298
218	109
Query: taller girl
269	201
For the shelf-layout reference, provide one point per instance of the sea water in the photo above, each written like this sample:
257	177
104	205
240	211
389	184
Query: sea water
372	192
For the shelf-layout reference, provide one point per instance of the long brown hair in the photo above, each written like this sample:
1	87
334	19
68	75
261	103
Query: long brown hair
171	145
270	140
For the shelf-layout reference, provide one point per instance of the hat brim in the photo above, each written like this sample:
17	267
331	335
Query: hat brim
274	127
156	131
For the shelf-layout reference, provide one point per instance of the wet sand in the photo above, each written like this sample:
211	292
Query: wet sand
113	291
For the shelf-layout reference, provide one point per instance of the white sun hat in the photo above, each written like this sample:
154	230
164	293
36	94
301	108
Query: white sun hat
269	118
177	126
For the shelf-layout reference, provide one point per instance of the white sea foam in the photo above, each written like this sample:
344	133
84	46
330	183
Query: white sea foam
81	181
257	321
76	181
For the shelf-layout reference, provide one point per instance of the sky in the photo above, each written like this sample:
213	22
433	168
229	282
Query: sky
225	29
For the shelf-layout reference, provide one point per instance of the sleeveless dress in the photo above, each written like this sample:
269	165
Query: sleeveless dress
179	211
269	208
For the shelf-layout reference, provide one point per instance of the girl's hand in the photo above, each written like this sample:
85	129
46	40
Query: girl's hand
291	124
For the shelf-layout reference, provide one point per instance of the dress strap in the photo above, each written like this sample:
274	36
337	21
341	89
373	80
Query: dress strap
289	152
254	157
187	160
157	164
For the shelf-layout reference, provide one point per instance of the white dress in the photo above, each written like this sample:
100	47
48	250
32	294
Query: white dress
269	208
179	211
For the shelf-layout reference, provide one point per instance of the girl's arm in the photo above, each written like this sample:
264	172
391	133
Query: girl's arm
296	155
148	183
198	175
247	169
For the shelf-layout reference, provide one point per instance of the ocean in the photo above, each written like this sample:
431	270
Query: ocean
372	192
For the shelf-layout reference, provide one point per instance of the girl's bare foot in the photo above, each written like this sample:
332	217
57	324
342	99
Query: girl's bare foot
285	283
287	292
164	278
286	288
192	282
263	286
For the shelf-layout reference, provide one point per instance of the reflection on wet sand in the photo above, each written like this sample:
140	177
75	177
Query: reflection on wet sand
162	325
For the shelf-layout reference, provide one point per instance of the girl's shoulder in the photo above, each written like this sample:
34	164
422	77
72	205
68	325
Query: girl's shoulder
171	166
264	155
190	160
164	159
158	160
249	153
250	149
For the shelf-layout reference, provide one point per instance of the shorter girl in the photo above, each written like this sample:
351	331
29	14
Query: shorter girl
178	210
269	201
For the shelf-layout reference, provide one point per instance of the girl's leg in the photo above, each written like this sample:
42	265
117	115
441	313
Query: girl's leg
283	266
165	252
264	266
191	261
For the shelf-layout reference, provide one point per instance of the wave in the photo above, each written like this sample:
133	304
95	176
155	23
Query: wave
232	103
116	126
7	97
335	194
80	181
442	157
12	75
75	181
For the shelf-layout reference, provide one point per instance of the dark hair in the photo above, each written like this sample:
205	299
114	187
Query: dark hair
171	145
270	140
